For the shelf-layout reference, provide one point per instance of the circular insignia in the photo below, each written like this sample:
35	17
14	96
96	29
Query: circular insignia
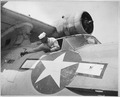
55	71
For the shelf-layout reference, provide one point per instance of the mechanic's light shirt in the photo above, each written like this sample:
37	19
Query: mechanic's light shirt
52	42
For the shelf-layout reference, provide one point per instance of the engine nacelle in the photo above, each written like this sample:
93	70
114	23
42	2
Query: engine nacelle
78	24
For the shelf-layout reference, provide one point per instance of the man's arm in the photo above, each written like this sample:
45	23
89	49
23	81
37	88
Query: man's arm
55	46
54	49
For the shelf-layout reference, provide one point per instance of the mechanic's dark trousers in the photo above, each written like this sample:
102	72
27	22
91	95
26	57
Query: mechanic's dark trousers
42	47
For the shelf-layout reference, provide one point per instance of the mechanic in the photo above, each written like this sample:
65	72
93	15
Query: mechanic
48	45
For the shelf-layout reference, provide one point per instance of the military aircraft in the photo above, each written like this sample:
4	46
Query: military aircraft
82	66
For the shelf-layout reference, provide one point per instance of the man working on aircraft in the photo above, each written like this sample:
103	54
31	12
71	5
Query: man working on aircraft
48	45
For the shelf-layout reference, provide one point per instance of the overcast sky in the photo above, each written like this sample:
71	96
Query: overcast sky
104	14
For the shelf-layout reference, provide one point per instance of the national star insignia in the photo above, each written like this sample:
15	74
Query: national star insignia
54	67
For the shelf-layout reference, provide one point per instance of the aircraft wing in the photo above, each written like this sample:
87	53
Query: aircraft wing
14	24
10	18
92	69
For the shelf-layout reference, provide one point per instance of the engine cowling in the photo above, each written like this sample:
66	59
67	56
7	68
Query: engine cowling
81	23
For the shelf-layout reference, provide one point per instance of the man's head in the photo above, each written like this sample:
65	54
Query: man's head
43	37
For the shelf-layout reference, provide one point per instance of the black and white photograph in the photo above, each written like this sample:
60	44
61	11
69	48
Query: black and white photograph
60	48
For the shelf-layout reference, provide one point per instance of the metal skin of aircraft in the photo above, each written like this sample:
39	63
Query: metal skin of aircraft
82	66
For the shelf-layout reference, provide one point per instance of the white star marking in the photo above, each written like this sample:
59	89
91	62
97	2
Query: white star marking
54	67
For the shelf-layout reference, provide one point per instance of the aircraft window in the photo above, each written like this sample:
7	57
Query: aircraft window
77	41
29	64
92	40
60	41
81	40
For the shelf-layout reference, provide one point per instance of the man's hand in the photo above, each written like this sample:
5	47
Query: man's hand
54	49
